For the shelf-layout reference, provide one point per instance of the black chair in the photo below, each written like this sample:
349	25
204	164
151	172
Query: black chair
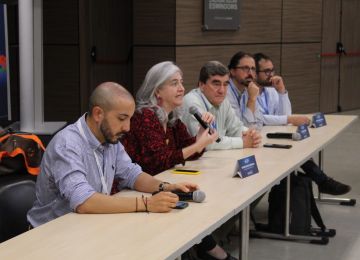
17	195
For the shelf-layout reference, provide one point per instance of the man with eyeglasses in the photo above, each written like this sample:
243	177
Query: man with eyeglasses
273	101
274	106
210	96
243	90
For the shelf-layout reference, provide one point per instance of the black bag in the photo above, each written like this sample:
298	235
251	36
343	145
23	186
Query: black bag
20	152
302	208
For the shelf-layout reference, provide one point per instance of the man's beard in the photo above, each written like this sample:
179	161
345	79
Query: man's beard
108	136
264	83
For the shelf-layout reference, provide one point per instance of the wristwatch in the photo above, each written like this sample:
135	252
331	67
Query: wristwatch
162	185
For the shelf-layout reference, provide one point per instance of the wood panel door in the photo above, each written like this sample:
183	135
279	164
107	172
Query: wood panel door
105	44
350	63
340	73
329	90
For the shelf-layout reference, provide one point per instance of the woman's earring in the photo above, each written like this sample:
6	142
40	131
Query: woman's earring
158	98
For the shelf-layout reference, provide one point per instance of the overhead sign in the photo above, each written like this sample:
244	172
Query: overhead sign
221	15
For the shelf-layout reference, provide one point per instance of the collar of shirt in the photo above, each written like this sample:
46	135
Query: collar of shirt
91	139
233	86
206	102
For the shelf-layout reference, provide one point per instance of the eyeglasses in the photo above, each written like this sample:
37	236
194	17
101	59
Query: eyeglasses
268	72
246	69
176	83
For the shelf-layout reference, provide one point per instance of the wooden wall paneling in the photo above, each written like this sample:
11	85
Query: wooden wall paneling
111	35
301	72
302	20
145	58
350	65
119	73
61	22
190	59
260	21
330	65
61	83
154	22
84	55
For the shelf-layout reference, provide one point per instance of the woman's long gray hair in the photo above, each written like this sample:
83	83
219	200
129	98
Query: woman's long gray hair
154	80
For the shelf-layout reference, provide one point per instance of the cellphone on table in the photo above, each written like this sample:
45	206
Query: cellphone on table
181	204
183	171
283	146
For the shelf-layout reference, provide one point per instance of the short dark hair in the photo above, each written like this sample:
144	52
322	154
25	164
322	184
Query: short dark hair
258	57
234	61
212	68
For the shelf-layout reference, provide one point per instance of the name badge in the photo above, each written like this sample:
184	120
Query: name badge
318	120
246	167
303	131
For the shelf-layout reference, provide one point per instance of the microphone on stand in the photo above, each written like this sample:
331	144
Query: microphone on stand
278	135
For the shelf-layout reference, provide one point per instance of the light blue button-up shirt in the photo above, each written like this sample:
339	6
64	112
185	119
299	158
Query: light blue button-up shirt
273	106
69	173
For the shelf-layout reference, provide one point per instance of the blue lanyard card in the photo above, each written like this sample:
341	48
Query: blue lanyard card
303	131
246	167
318	120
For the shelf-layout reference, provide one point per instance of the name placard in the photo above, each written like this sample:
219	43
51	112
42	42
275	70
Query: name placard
318	120
246	167
303	130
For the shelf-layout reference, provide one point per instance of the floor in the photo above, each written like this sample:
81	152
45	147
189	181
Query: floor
342	162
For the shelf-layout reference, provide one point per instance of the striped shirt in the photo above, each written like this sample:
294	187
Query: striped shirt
70	174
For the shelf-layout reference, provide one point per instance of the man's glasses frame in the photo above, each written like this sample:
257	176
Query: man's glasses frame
268	72
246	69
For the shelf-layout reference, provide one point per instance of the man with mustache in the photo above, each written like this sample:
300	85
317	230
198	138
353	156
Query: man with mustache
210	96
242	77
82	160
274	108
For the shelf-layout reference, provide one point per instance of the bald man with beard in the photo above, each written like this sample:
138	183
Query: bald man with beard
82	160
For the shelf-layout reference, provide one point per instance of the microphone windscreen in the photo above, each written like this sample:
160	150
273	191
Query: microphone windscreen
296	136
199	196
193	110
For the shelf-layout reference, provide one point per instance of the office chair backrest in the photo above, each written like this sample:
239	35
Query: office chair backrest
17	195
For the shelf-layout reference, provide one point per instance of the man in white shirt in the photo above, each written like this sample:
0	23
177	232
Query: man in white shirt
210	97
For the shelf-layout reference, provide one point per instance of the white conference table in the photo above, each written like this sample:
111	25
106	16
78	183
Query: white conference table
168	235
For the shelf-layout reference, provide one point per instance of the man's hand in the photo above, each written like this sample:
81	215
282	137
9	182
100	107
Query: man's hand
182	186
207	117
204	138
161	202
253	90
278	83
298	120
251	139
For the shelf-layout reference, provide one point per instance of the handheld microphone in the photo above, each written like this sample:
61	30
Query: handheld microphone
196	196
278	135
194	111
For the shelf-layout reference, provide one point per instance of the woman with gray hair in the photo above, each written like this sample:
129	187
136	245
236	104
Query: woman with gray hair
158	140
